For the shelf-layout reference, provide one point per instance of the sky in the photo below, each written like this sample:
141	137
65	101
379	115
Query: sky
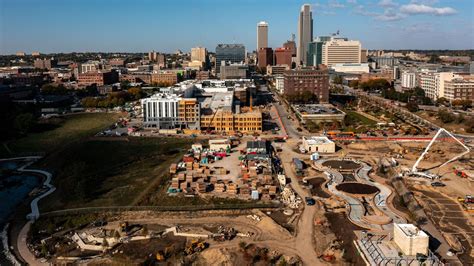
51	26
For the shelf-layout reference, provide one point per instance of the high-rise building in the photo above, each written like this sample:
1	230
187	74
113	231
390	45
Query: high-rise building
309	79
409	80
315	53
282	56
199	54
262	35
305	32
341	51
233	53
265	57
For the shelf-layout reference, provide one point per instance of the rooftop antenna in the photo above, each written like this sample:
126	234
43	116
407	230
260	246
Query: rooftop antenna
292	37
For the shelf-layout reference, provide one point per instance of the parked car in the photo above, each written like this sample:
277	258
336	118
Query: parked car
437	184
309	201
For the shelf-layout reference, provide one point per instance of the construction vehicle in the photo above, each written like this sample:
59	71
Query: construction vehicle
124	227
163	255
467	199
195	246
415	171
460	173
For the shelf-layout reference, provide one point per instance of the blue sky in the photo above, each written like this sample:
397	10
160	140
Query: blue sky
167	25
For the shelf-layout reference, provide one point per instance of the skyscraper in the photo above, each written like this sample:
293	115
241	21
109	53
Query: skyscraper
262	35
234	53
305	33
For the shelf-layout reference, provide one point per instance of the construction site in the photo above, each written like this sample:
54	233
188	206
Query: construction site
357	204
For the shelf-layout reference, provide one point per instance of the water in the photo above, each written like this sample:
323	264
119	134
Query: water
14	188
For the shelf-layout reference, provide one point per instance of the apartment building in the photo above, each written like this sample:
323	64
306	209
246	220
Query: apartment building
409	80
189	113
307	79
459	88
226	121
164	77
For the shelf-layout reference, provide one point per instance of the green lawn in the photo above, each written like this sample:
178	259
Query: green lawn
70	129
110	172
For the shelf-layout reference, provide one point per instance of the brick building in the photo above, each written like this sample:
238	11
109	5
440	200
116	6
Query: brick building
98	78
164	77
307	79
282	56
265	57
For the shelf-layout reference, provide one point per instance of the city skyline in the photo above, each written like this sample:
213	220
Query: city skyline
141	26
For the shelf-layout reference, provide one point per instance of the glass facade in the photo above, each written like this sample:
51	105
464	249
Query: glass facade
315	53
235	53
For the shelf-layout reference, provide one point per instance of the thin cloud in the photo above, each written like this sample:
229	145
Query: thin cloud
335	4
387	3
352	2
417	9
390	15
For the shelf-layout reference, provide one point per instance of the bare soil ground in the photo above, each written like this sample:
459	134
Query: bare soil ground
449	217
344	231
317	190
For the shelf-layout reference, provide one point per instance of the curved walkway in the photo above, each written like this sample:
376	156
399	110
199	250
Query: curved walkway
22	247
356	210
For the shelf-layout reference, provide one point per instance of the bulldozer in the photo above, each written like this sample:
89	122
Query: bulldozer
195	246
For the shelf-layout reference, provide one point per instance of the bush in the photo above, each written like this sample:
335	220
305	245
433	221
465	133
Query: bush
445	116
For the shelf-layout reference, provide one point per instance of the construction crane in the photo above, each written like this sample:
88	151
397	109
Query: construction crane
414	169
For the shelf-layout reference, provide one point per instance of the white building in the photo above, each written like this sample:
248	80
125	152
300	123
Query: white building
341	51
318	144
448	85
280	84
160	111
410	239
428	83
351	68
408	80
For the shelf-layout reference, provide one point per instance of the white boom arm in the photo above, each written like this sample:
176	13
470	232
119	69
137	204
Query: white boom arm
414	168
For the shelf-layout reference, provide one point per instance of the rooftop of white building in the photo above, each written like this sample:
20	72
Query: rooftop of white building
315	140
410	230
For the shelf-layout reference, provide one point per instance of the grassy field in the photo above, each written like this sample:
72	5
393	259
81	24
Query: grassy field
357	122
68	129
110	172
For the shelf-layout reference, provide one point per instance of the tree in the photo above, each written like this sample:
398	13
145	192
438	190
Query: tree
412	106
337	80
135	93
442	101
23	123
445	116
51	89
464	104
